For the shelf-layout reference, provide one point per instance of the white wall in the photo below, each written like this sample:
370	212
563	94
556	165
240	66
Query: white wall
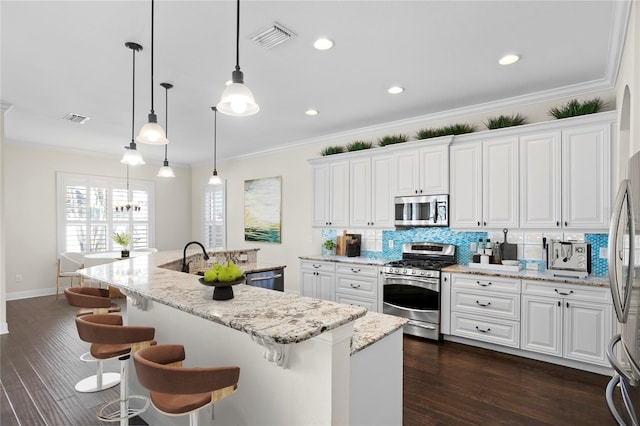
629	75
298	237
3	286
30	210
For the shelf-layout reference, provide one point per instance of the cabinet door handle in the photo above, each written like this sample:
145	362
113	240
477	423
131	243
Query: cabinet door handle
483	284
483	331
559	304
478	223
561	293
415	190
483	304
484	223
558	223
565	223
567	304
354	285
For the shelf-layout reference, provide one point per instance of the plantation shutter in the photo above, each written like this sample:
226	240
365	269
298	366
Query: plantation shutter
214	217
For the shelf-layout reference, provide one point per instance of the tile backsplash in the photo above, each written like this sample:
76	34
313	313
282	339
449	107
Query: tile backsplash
387	244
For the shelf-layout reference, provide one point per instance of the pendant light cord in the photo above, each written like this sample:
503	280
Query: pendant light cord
152	9
166	118
215	135
237	37
133	103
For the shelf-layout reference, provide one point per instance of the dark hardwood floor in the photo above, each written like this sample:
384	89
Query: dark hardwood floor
444	383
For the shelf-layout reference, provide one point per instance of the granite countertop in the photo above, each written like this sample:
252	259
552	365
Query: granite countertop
373	327
345	259
280	317
525	274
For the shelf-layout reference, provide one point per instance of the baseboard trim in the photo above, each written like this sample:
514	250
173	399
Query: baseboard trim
18	295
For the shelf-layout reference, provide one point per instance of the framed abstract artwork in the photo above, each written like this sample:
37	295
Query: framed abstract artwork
263	209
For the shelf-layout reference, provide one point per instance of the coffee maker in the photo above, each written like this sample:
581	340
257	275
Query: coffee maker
353	242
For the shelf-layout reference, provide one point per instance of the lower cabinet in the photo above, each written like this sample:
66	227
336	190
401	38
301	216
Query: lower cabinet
486	308
357	284
351	283
574	322
318	279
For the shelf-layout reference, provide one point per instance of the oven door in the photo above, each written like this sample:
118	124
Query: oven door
412	298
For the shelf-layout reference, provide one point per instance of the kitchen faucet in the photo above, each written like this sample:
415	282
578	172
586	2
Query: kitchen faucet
185	264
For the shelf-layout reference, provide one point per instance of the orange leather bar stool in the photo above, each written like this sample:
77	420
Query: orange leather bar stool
93	301
109	339
177	390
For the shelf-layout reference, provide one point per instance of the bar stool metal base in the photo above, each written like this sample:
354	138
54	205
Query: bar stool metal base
99	381
110	412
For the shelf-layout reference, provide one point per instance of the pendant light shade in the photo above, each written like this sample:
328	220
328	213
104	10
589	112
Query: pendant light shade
236	98
166	170
215	179
152	133
132	156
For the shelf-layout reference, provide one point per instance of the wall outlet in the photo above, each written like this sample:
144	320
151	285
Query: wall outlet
243	257
604	252
391	244
473	247
19	278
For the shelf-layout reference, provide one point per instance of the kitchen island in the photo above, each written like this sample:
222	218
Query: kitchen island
302	360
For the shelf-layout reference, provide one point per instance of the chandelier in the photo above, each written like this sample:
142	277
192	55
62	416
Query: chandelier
130	204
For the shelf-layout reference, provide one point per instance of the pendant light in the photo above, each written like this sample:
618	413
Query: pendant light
166	170
237	99
132	156
152	133
215	179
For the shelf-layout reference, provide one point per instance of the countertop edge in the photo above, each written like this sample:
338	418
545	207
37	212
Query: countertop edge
525	274
345	259
382	324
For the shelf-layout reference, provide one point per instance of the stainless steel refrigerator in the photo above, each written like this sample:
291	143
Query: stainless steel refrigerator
623	351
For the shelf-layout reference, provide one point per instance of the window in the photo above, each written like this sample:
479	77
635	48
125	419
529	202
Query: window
87	217
214	233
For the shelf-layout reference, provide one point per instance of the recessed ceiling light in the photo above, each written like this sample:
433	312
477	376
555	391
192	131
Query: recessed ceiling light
323	44
394	90
311	112
508	59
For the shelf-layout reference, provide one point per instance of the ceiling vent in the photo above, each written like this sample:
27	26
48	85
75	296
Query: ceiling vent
274	35
76	118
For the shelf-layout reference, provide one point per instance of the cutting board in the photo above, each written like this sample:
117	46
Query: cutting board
508	251
341	244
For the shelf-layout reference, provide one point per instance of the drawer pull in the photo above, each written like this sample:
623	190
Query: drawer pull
355	271
483	331
316	266
483	284
483	304
354	285
561	293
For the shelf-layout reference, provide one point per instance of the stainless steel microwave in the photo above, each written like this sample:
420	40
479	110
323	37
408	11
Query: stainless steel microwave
422	210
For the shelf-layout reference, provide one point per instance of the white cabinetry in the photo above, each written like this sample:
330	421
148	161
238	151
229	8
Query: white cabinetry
565	178
486	309
484	184
422	171
331	194
371	192
571	321
357	284
318	279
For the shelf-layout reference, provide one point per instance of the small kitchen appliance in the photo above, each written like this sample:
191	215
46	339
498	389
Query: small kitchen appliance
569	258
422	210
353	243
411	286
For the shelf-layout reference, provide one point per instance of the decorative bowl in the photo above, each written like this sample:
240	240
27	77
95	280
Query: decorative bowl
222	290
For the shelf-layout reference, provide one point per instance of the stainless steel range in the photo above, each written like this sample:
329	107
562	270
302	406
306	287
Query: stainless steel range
411	286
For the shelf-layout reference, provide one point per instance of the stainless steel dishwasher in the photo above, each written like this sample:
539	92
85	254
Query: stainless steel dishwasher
272	279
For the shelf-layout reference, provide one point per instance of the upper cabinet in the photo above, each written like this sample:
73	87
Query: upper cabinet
331	194
484	184
370	192
566	178
422	171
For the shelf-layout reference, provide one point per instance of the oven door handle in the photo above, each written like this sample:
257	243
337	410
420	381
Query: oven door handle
408	309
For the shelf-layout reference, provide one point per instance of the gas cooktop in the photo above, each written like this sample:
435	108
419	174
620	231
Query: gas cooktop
422	259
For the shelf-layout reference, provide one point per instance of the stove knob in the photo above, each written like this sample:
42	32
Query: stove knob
414	272
404	271
581	258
